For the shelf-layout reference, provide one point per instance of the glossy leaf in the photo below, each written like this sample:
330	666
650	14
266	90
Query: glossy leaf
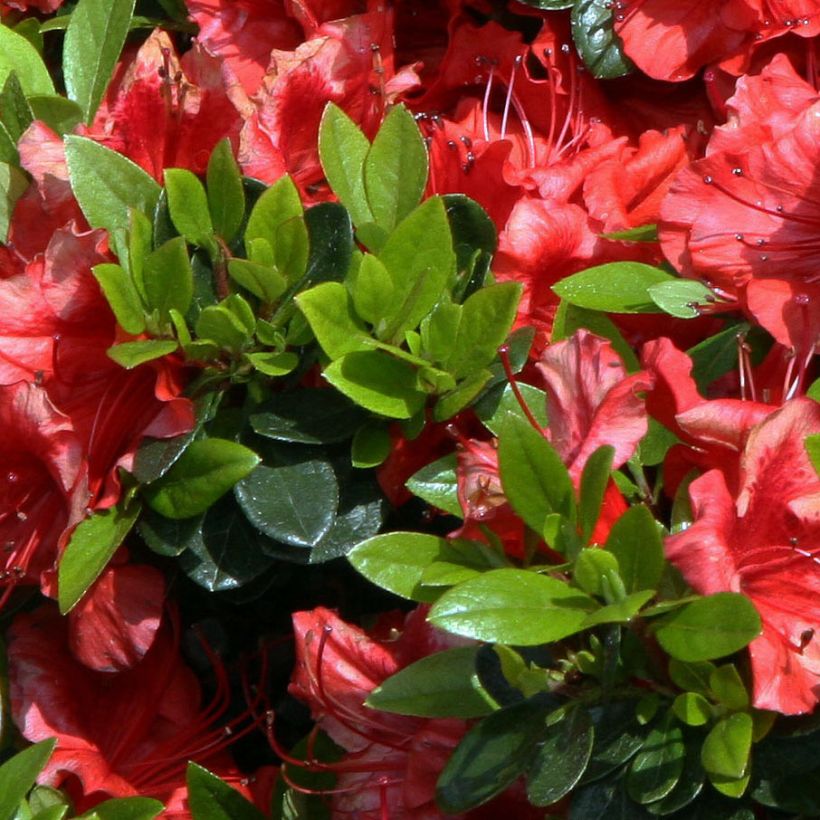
206	470
594	481
328	309
18	774
728	688
371	445
490	757
512	606
93	42
655	771
14	108
133	354
621	611
681	297
471	227
330	235
709	627
168	279
440	685
92	544
562	758
121	296
437	485
188	207
692	709
635	540
107	184
291	502
226	196
17	54
395	168
501	402
594	35
618	737
725	752
210	798
617	287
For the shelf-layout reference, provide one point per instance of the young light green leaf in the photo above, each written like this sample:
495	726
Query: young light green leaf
219	324
13	184
709	627
594	481
617	287
210	798
273	364
204	472
681	297
264	282
122	296
437	485
93	41
342	151
328	309
441	685
188	206
378	382
107	184
812	444
635	540
132	354
395	169
17	54
692	709
226	196
18	775
512	606
88	552
129	808
168	279
371	288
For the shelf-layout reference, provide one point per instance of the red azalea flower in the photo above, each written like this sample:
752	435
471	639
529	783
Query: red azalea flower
118	734
392	762
764	541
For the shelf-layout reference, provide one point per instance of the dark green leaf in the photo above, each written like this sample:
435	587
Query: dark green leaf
17	54
621	611
471	227
618	737
681	297
533	476
512	606
169	537
226	196
188	207
203	473
591	567
467	390
635	540
91	546
133	354
437	485
605	800
709	627
658	766
342	150
562	759
107	184
716	355
688	787
210	798
594	480
655	444
594	35
490	757
371	445
501	402
395	169
291	502
440	685
331	242
18	774
93	41
617	287
378	382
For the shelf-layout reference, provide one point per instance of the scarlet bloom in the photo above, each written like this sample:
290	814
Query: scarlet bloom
118	735
764	540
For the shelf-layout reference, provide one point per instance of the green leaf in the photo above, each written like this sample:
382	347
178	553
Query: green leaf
188	207
691	676
486	319
133	354
617	287
204	472
58	113
396	561
643	233
14	108
92	544
687	789
129	808
210	798
371	445
709	627
221	325
330	237
472	230
17	54
716	355
226	196
681	297
692	709
456	400
107	184
594	481
658	766
618	737
371	288
437	485
725	752
420	259
622	611
591	566
53	812
378	382
512	606
812	444
534	478
494	409
594	35
635	540
562	759
395	169
490	757
262	281
273	364
168	279
438	686
728	687
13	184
342	151
18	774
93	41
327	307
291	502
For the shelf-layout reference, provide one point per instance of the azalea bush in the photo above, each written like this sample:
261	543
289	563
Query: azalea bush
409	410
